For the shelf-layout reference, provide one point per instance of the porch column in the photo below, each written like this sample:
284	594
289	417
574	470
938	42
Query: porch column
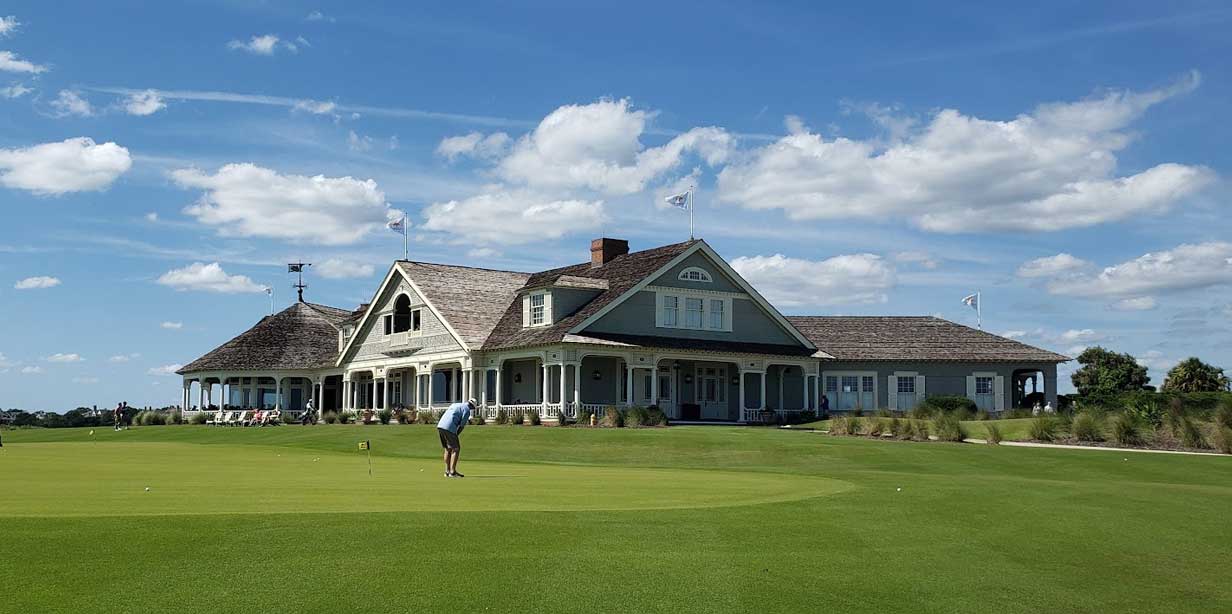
577	387
804	396
316	395
431	377
563	398
761	402
467	374
743	399
547	386
483	388
629	383
782	370
184	399
500	369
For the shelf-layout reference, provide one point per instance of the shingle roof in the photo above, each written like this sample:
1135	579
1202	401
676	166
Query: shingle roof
677	343
302	336
922	338
471	300
621	274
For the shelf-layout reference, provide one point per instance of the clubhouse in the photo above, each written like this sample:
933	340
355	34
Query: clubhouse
673	326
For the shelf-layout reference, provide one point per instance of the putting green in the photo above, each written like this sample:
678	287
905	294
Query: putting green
64	479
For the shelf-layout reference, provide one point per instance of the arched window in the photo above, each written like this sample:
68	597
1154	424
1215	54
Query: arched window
402	314
695	274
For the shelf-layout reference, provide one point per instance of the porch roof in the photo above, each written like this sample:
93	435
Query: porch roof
302	336
700	345
913	338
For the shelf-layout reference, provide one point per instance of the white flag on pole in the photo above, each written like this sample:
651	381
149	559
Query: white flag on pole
398	226
972	301
680	201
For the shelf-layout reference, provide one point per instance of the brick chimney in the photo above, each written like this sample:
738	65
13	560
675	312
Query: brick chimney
603	251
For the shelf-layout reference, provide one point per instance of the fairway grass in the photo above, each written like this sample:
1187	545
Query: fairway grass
684	519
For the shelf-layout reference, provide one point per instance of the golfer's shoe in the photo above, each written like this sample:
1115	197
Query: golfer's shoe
458	475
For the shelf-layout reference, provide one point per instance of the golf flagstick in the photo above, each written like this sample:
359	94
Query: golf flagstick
367	445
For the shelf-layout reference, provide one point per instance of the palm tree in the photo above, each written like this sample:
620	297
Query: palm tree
1193	375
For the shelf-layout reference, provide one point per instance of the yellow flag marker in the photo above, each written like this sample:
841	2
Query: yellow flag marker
367	445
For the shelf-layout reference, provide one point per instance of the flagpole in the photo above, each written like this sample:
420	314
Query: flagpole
979	310
405	252
690	213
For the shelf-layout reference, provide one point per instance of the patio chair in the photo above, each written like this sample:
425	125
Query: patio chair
236	418
216	419
255	418
271	418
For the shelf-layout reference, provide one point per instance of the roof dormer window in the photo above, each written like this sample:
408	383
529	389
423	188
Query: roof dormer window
695	274
537	308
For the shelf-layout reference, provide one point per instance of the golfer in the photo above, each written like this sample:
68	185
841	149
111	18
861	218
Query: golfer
450	426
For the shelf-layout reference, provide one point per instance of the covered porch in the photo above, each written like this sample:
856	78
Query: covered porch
288	392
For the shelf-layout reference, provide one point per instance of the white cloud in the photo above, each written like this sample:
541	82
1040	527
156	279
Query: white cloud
482	252
120	358
342	268
513	217
1014	334
1075	350
796	282
245	200
474	145
316	107
1052	266
208	278
358	142
923	259
148	102
61	357
1051	169
37	283
319	16
85	380
31	370
8	25
1156	360
265	44
1085	335
5	362
9	62
72	165
172	325
151	216
165	370
598	147
70	103
1134	284
16	90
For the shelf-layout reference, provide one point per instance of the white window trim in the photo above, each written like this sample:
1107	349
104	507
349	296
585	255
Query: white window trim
547	309
705	275
682	309
861	374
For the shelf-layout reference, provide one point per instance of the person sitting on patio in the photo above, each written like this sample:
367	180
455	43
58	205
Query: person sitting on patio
256	418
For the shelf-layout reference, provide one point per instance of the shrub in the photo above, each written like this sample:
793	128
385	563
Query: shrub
477	418
199	418
840	426
994	433
884	413
858	411
1019	412
613	418
532	416
1190	433
1126	429
502	416
804	417
919	431
175	416
330	417
426	416
404	417
289	418
583	416
1043	428
1222	438
875	427
923	411
384	416
1086	426
949	403
1223	415
655	417
519	418
949	427
345	417
981	415
636	416
897	427
1146	411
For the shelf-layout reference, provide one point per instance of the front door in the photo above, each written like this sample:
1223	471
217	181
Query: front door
712	392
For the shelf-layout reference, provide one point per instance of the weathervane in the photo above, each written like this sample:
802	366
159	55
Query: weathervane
298	267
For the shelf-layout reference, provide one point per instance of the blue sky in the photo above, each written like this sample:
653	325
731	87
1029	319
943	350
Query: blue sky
159	164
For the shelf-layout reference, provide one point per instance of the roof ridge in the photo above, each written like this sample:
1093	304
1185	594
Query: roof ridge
463	266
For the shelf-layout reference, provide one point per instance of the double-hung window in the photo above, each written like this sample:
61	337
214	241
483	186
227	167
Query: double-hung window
716	314
671	311
693	312
538	310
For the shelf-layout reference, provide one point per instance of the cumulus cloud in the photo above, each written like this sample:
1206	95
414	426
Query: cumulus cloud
513	217
62	357
148	102
32	370
1133	285
9	62
172	325
358	142
16	90
598	147
165	370
1085	335
796	282
343	268
474	145
37	283
319	16
245	200
1052	266
264	44
71	103
8	25
72	165
121	358
208	278
1051	169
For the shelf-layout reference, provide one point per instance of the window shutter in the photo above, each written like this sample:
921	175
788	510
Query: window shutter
892	395
971	387
919	389
526	311
658	310
999	398
547	308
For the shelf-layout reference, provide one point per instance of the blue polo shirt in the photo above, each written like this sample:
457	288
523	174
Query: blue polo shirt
455	418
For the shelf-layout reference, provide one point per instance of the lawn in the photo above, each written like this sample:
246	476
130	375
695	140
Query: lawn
685	519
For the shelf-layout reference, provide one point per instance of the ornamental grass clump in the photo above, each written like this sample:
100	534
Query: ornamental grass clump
330	417
1223	415
518	418
477	418
583	417
384	416
532	416
1126	429
1043	428
948	427
198	418
1222	439
345	417
502	416
1190	434
636	416
919	430
1086	427
898	427
994	433
874	428
613	418
655	417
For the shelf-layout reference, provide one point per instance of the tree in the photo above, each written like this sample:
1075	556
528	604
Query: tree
1104	371
1193	375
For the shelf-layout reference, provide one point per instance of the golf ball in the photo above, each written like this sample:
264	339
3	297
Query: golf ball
899	489
147	489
